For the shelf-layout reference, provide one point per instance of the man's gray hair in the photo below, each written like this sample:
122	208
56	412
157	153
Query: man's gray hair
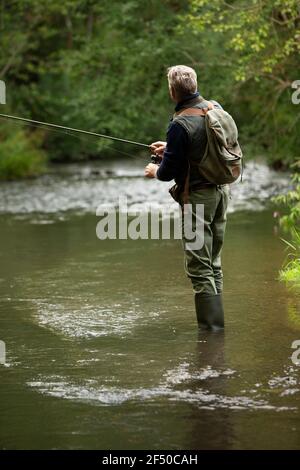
183	80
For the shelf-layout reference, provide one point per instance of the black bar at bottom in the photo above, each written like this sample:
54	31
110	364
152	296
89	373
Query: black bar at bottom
134	459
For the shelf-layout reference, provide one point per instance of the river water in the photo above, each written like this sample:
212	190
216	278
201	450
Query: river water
102	348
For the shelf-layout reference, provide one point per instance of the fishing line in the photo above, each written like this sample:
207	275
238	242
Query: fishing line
65	128
65	132
47	129
72	134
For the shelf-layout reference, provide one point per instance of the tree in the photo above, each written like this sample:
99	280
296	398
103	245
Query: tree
261	45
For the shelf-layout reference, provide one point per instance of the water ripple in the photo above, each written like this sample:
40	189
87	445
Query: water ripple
86	321
82	188
60	387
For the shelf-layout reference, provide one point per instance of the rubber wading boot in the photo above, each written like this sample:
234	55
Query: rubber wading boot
209	310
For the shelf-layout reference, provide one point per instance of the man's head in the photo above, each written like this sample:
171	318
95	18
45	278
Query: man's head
182	81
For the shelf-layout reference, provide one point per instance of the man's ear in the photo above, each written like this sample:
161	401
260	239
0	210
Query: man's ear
173	94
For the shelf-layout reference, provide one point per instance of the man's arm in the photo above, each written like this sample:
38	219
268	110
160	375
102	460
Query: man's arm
174	162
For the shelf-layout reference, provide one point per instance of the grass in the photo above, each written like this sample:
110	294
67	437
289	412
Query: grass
290	273
291	270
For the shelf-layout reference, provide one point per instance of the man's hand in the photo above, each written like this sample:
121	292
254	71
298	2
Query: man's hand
158	147
150	170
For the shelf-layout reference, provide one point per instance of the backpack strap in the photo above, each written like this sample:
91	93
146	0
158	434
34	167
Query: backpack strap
186	186
200	110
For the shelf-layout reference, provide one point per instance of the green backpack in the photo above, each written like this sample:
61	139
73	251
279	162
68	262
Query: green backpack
222	160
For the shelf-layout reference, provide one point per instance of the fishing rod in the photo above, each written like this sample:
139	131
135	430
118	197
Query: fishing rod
80	131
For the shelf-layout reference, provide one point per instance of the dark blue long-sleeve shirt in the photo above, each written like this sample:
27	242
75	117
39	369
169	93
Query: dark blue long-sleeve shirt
174	164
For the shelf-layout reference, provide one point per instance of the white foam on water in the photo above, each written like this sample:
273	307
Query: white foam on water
81	192
182	374
75	320
286	384
61	387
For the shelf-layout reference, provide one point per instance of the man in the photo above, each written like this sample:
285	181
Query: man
186	143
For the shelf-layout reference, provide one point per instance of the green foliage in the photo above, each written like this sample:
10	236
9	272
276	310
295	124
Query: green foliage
101	66
291	221
291	271
291	224
260	47
20	156
262	35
